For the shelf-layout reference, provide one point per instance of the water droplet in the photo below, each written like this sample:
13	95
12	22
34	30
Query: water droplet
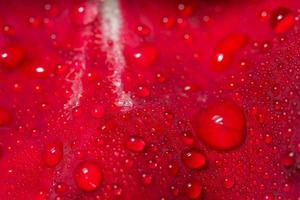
282	20
147	179
9	30
60	188
52	10
52	154
221	61
88	176
194	190
185	10
288	159
79	154
142	30
187	138
175	191
97	111
41	195
173	169
194	159
160	77
168	22
117	190
222	126
84	13
34	22
143	91
143	56
135	144
228	183
11	56
225	51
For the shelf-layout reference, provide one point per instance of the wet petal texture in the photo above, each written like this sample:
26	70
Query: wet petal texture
149	100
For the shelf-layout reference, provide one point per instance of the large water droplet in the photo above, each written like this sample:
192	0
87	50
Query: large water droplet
222	126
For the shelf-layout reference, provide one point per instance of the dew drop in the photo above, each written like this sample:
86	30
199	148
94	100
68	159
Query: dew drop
88	176
117	190
9	30
228	183
222	126
221	61
143	91
52	10
187	138
173	169
52	153
194	190
84	13
282	20
168	22
143	30
97	111
135	144
143	56
160	78
11	56
147	179
288	159
194	159
185	10
225	51
60	188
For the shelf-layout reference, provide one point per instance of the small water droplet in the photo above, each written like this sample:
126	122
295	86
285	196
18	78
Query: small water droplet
52	153
194	159
187	138
225	51
84	13
88	176
143	56
143	30
135	144
194	190
185	10
11	56
60	188
146	179
97	111
228	182
281	20
143	91
288	159
168	22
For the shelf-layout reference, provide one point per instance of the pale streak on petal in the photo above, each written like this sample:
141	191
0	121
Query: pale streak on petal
111	23
74	77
